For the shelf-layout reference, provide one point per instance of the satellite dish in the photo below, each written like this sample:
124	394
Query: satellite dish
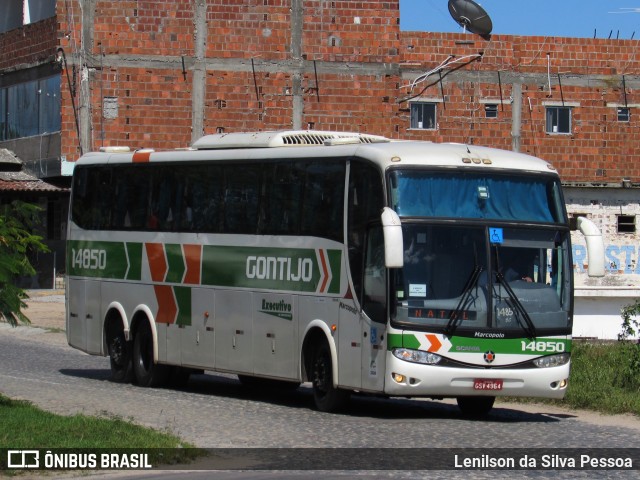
471	16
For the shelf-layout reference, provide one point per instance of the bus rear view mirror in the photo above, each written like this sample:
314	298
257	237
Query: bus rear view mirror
393	244
595	246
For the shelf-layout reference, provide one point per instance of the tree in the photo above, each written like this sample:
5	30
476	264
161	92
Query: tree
627	373
630	324
17	241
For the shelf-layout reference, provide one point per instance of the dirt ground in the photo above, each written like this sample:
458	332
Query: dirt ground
46	309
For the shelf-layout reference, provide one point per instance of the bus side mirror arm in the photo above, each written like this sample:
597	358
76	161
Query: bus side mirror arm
595	246
393	244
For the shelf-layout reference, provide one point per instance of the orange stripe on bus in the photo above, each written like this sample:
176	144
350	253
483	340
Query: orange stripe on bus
167	308
141	157
193	256
157	261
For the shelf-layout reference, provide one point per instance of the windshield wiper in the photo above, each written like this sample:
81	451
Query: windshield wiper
454	317
529	328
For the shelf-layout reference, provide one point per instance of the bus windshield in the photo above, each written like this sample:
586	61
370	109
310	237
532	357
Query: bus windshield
455	278
478	195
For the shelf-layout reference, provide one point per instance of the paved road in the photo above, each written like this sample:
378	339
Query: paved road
216	411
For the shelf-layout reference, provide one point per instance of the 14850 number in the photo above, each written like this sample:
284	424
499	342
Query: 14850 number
89	258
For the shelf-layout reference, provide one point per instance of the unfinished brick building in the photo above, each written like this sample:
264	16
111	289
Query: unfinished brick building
161	73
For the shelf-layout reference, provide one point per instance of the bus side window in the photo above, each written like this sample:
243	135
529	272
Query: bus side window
102	199
323	198
365	205
281	199
241	198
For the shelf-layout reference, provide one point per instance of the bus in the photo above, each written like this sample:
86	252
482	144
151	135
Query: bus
350	261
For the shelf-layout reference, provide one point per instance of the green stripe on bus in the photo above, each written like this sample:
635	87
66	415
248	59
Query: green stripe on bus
268	268
284	269
134	253
97	259
183	299
335	261
175	263
544	345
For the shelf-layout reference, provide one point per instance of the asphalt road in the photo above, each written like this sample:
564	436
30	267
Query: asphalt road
215	411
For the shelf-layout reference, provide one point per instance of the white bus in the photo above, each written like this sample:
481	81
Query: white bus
353	262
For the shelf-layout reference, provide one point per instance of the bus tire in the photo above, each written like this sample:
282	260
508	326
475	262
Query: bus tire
326	396
475	407
120	358
147	373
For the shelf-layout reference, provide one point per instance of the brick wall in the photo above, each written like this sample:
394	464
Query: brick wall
346	65
586	72
28	46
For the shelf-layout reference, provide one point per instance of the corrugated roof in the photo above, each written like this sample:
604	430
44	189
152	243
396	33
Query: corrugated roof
28	186
7	156
23	182
14	179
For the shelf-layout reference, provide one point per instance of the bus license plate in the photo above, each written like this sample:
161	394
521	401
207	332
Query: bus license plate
487	384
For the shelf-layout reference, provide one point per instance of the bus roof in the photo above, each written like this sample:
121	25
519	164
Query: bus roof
282	138
317	144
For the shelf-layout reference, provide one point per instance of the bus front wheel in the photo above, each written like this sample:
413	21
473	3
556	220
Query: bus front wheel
120	358
326	396
475	407
147	373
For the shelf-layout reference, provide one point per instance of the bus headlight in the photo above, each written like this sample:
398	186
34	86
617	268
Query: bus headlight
552	360
416	356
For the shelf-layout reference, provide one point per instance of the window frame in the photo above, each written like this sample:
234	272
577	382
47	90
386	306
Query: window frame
625	117
550	123
415	124
626	224
491	110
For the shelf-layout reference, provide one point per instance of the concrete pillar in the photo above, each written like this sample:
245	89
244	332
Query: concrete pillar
84	98
297	16
199	81
516	116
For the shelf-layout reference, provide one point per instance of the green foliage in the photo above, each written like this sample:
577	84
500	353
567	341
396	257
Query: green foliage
598	379
627	374
630	325
24	426
17	240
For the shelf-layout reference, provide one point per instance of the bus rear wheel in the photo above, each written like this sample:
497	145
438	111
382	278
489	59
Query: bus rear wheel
326	396
147	373
120	358
475	407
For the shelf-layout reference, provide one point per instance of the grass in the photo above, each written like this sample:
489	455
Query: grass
24	426
605	377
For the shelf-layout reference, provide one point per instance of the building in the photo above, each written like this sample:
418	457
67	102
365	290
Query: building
161	73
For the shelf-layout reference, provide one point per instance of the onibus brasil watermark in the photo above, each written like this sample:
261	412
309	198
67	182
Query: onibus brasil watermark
33	459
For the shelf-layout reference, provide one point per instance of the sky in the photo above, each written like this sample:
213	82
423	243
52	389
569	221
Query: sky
563	18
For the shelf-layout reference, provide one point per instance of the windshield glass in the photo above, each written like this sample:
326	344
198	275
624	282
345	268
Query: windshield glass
508	279
457	194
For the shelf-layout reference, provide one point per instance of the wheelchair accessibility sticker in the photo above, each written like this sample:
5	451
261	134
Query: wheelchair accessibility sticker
496	235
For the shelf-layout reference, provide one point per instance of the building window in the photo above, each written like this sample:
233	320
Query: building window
573	220
423	115
558	120
30	108
624	114
626	223
491	110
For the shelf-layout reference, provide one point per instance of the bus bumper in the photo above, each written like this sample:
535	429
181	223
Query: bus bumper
416	380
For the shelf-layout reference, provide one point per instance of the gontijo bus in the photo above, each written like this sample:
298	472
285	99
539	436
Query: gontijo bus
346	260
